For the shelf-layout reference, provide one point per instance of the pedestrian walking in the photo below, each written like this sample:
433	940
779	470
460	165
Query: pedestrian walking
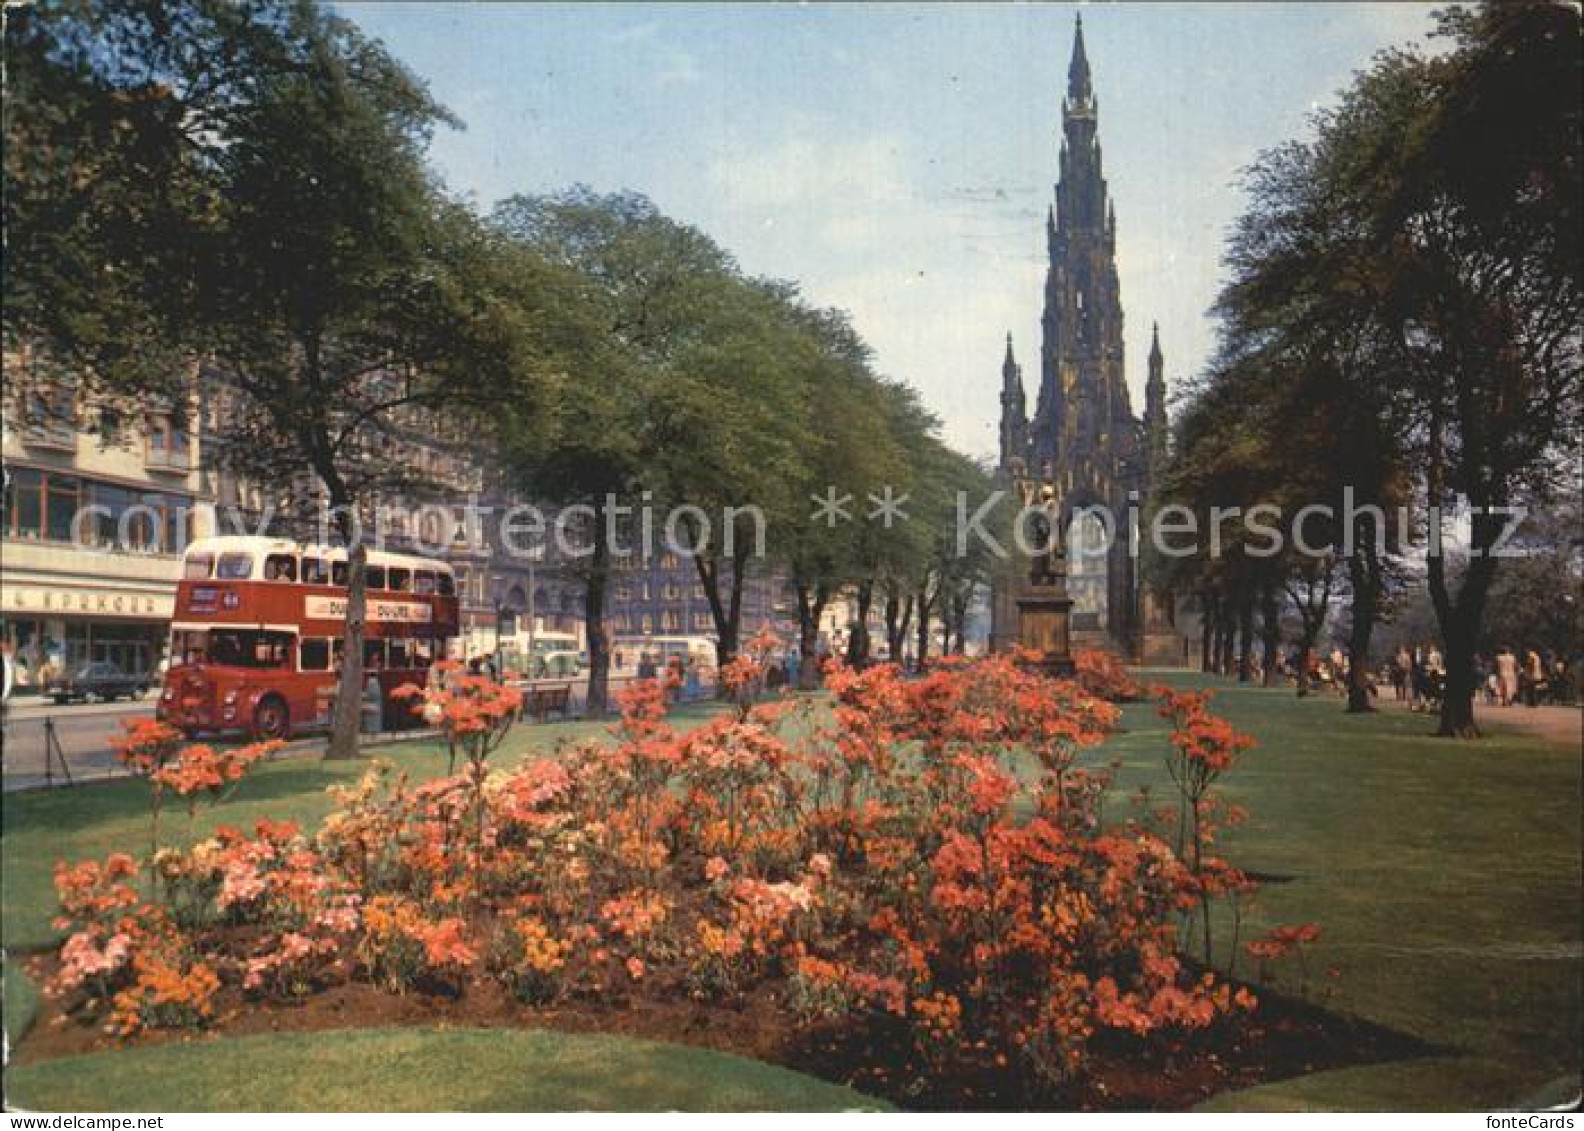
1402	664
1507	675
1534	678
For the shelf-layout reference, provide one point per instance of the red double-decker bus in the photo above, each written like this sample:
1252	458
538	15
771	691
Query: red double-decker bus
256	641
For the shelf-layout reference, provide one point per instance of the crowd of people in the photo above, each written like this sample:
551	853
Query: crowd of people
1532	677
1507	679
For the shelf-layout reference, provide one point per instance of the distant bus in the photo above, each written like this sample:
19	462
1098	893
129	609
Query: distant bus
554	655
256	641
627	653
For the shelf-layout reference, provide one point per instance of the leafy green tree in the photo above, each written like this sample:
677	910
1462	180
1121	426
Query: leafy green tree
645	287
733	438
817	548
300	252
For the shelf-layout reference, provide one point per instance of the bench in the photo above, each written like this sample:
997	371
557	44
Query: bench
539	702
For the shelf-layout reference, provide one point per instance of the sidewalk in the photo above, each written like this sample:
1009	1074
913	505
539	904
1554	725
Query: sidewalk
1554	724
105	768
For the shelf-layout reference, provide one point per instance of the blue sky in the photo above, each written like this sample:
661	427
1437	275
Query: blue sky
897	160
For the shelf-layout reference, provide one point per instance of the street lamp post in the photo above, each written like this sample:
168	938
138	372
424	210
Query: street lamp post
533	614
498	589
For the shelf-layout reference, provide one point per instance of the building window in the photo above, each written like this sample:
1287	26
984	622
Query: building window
42	505
50	414
169	447
48	506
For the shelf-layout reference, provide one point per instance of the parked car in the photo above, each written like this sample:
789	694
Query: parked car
101	680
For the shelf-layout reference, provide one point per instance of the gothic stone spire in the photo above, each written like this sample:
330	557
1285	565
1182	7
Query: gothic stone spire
1155	407
1014	410
1080	89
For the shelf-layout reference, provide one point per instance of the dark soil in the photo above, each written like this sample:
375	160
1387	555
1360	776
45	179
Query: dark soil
1284	1037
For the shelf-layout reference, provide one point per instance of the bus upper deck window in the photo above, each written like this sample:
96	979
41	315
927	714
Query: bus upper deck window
400	579
198	567
234	567
280	567
338	574
424	582
314	572
375	578
447	584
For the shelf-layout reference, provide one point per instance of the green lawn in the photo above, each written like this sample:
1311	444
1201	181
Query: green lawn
1445	876
421	1070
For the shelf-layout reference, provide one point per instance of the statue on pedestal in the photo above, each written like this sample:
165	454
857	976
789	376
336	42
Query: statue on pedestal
1044	609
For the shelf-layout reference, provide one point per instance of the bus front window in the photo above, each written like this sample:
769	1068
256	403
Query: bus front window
280	567
234	567
198	567
189	647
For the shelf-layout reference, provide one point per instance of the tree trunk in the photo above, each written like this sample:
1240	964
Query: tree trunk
348	716
858	642
898	615
732	637
1228	661
1460	626
924	605
598	700
1364	576
1270	631
1460	619
1207	633
725	611
1245	626
810	606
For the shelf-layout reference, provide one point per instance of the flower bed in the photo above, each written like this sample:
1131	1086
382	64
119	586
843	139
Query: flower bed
926	875
1103	676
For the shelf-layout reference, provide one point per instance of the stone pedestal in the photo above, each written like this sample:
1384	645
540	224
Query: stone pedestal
1044	627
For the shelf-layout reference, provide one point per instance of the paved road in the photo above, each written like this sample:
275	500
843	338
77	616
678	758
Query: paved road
84	730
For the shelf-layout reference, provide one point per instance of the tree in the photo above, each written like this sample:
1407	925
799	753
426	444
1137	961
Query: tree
883	551
1457	178
644	285
1482	223
313	265
732	437
818	549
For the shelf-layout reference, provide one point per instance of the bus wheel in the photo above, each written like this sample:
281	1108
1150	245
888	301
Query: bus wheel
270	718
